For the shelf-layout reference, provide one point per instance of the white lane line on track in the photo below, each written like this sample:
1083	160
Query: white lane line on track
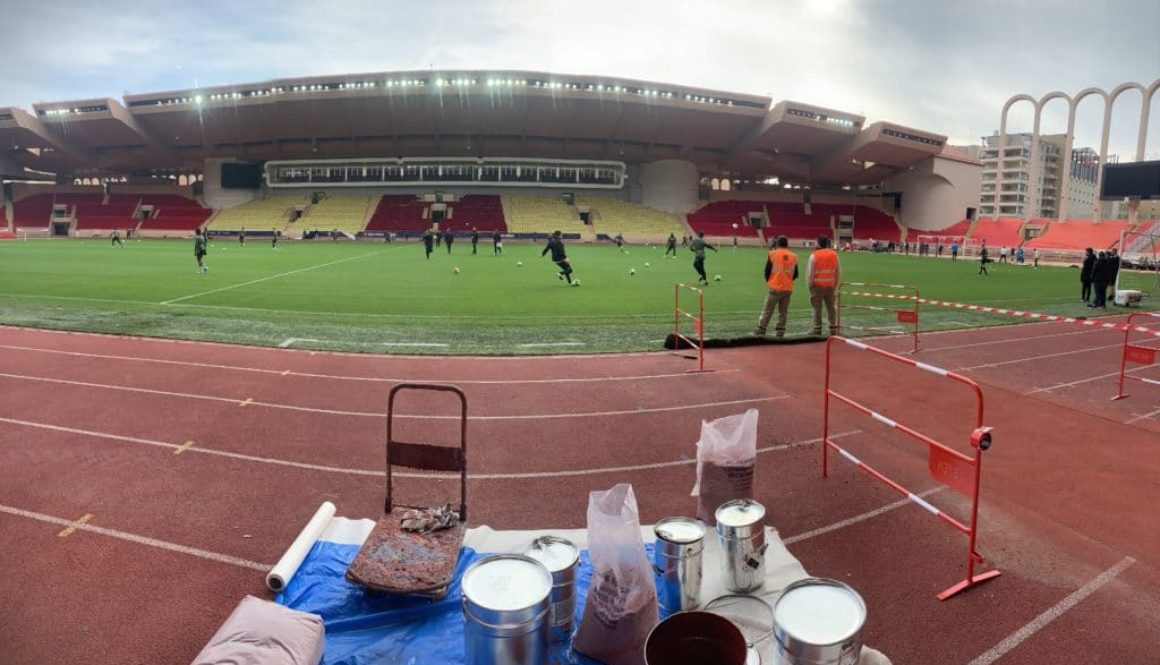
379	472
1051	614
134	538
1043	357
1011	339
1069	384
858	518
268	278
371	379
547	344
381	414
1146	416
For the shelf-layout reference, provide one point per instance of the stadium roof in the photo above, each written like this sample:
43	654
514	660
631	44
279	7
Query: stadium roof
458	114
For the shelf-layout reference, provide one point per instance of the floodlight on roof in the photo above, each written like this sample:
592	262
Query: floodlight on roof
198	99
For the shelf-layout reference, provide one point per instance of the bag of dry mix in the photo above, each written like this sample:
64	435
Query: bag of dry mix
726	455
621	608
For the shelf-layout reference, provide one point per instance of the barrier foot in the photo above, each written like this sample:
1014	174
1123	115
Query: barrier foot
1119	397
968	583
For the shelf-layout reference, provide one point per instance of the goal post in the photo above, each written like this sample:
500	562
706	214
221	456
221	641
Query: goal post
1139	250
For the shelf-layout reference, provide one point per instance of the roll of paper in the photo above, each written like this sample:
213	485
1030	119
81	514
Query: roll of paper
282	572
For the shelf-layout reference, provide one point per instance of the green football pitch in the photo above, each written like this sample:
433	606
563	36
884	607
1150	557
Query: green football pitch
375	297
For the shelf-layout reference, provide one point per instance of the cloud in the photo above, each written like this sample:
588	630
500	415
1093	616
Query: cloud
943	67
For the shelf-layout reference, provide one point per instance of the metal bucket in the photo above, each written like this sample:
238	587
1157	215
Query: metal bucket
677	563
695	638
741	530
560	556
505	611
819	622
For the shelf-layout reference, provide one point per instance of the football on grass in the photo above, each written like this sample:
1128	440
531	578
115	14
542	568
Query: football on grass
716	278
632	271
576	282
519	264
455	270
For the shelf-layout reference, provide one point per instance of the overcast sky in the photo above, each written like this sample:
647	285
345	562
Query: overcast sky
940	65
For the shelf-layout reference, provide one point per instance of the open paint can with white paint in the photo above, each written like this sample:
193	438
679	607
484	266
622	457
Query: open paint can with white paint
561	557
819	622
505	611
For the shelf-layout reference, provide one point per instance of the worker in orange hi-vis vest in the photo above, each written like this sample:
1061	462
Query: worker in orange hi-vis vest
780	272
823	276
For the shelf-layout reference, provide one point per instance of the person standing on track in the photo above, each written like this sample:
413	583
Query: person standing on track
780	273
474	241
428	242
1085	274
823	274
199	250
698	247
115	239
983	260
671	246
496	244
559	256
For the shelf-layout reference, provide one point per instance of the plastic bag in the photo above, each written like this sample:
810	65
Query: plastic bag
726	455
621	608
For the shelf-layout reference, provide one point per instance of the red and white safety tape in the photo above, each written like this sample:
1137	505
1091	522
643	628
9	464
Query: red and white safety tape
1009	312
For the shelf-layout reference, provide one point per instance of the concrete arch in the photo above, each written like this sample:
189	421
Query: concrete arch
1050	96
1000	153
1067	145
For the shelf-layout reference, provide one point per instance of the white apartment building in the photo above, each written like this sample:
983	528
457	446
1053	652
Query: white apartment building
1033	190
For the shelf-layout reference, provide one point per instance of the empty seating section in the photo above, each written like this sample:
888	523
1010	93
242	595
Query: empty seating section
399	212
1078	234
271	213
173	213
345	213
997	232
540	214
32	211
613	216
482	212
873	223
717	218
93	212
957	230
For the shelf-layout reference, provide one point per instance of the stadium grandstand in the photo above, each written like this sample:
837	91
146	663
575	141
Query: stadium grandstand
587	155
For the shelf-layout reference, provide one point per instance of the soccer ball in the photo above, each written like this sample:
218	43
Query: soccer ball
455	270
646	264
734	226
519	264
632	271
575	282
716	278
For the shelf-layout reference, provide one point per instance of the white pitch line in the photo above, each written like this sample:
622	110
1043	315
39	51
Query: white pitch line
1051	614
373	379
528	346
380	414
268	278
1043	357
858	518
379	472
134	538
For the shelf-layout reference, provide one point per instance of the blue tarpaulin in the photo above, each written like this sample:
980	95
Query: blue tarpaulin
369	628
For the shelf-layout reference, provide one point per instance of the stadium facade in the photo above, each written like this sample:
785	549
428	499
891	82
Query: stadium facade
656	144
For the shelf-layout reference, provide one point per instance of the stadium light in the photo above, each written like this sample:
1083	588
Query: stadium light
198	99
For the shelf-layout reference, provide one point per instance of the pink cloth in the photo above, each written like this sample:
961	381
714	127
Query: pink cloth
260	632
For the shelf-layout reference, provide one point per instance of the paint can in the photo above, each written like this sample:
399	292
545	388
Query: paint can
505	611
819	622
752	616
561	557
695	638
677	563
741	530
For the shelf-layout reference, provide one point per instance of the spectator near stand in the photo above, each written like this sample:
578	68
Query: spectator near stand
823	274
780	273
1085	275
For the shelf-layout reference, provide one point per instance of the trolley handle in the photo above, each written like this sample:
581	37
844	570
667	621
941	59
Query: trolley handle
426	456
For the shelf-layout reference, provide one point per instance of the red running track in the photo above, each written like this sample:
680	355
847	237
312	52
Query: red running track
196	464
